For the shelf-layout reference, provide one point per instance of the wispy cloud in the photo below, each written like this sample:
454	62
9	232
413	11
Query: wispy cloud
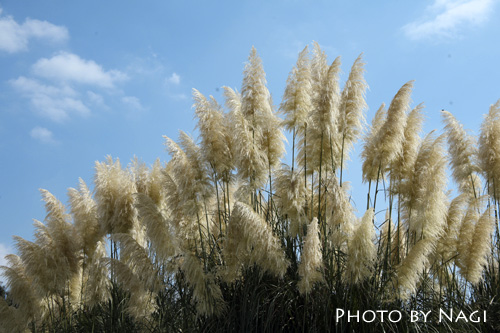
70	67
174	79
177	96
173	85
445	18
133	102
43	135
53	102
15	37
95	98
153	69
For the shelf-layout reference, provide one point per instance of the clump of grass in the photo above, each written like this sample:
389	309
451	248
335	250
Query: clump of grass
227	237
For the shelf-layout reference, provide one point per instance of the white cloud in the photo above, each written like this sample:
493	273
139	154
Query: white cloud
96	99
42	134
174	79
172	83
70	67
446	17
133	102
14	37
28	85
178	97
55	103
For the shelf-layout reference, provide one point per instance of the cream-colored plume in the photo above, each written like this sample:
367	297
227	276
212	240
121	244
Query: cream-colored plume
290	197
137	258
188	172
255	98
489	150
311	260
466	233
446	248
391	135
424	200
479	247
214	135
141	303
297	98
371	170
206	291
339	213
323	143
158	228
410	270
114	190
402	167
250	241
463	155
361	252
86	223
97	285
352	107
22	292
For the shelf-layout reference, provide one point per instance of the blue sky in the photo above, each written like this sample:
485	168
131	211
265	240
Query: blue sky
81	80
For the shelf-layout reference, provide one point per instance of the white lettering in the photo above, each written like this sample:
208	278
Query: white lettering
472	315
461	315
373	318
349	316
425	315
390	316
339	314
382	314
442	314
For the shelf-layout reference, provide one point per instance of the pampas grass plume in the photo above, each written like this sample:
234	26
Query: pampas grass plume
370	147
489	149
97	284
311	260
84	212
480	246
290	197
213	132
391	135
352	105
362	250
206	292
114	189
411	268
463	155
250	241
402	166
297	98
158	229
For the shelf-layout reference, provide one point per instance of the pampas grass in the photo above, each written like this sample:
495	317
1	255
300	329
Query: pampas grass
227	237
463	155
362	250
311	261
84	212
352	106
250	241
371	170
391	134
297	98
290	198
479	247
114	191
